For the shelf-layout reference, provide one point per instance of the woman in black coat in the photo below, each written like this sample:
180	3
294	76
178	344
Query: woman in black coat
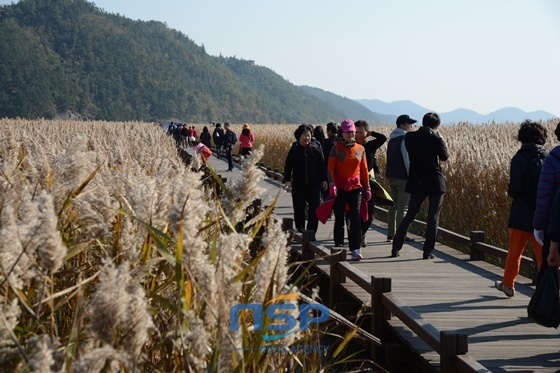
523	180
205	137
305	173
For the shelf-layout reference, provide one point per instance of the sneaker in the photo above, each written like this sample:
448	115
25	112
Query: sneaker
395	253
357	255
363	243
408	239
389	239
428	256
510	292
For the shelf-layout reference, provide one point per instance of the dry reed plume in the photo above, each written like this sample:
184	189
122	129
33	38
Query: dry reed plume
114	256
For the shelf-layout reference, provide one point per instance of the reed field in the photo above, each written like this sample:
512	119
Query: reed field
116	257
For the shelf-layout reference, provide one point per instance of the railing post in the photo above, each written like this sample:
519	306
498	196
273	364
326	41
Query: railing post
275	176
306	252
335	277
451	345
287	223
378	314
477	236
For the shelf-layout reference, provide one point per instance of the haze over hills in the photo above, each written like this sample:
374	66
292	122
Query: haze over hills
509	114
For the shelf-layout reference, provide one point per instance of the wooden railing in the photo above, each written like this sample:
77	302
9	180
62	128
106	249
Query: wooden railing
452	347
475	243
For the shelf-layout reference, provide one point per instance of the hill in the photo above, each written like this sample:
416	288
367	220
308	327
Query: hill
510	114
70	58
349	108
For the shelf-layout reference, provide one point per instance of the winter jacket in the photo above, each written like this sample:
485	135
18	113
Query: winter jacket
218	136
549	183
520	186
371	147
554	219
305	167
425	148
246	140
205	138
348	167
397	156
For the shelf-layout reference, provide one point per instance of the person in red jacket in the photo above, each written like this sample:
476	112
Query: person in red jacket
349	183
246	138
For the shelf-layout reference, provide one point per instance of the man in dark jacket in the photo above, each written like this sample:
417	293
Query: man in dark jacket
218	137
230	138
305	173
371	141
396	172
425	148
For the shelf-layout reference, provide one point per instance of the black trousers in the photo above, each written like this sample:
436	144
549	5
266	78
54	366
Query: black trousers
352	198
229	158
300	196
371	208
434	208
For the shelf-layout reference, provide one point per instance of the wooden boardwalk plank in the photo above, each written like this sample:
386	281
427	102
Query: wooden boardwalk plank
450	292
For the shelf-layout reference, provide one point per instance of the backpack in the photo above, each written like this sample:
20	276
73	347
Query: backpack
232	137
532	176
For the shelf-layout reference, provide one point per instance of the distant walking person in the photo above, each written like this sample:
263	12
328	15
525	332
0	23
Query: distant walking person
425	148
230	138
549	186
246	138
524	175
305	174
185	135
396	172
371	141
349	183
205	137
218	137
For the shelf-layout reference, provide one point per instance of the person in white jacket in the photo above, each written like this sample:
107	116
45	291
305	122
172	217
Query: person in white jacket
396	172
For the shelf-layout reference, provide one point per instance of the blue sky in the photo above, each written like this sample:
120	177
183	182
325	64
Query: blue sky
476	54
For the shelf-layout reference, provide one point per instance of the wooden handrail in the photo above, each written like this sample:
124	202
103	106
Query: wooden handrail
426	331
448	345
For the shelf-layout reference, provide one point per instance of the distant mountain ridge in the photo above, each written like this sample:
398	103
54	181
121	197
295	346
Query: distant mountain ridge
350	108
507	114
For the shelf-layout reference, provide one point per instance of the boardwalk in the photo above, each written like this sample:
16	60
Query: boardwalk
450	292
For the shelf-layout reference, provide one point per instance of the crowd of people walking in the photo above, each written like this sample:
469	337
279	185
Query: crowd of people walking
338	169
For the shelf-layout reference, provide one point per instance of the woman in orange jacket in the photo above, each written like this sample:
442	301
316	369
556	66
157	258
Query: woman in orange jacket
349	183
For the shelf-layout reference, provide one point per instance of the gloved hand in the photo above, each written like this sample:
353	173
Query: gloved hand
539	236
332	191
367	195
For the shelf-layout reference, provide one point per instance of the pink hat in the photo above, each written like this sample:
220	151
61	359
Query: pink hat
347	125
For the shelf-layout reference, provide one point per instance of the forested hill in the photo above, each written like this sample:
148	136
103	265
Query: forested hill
70	58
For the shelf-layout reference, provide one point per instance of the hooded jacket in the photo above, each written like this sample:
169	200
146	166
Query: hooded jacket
398	162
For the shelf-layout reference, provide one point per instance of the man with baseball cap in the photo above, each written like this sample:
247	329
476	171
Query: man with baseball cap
396	172
426	149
